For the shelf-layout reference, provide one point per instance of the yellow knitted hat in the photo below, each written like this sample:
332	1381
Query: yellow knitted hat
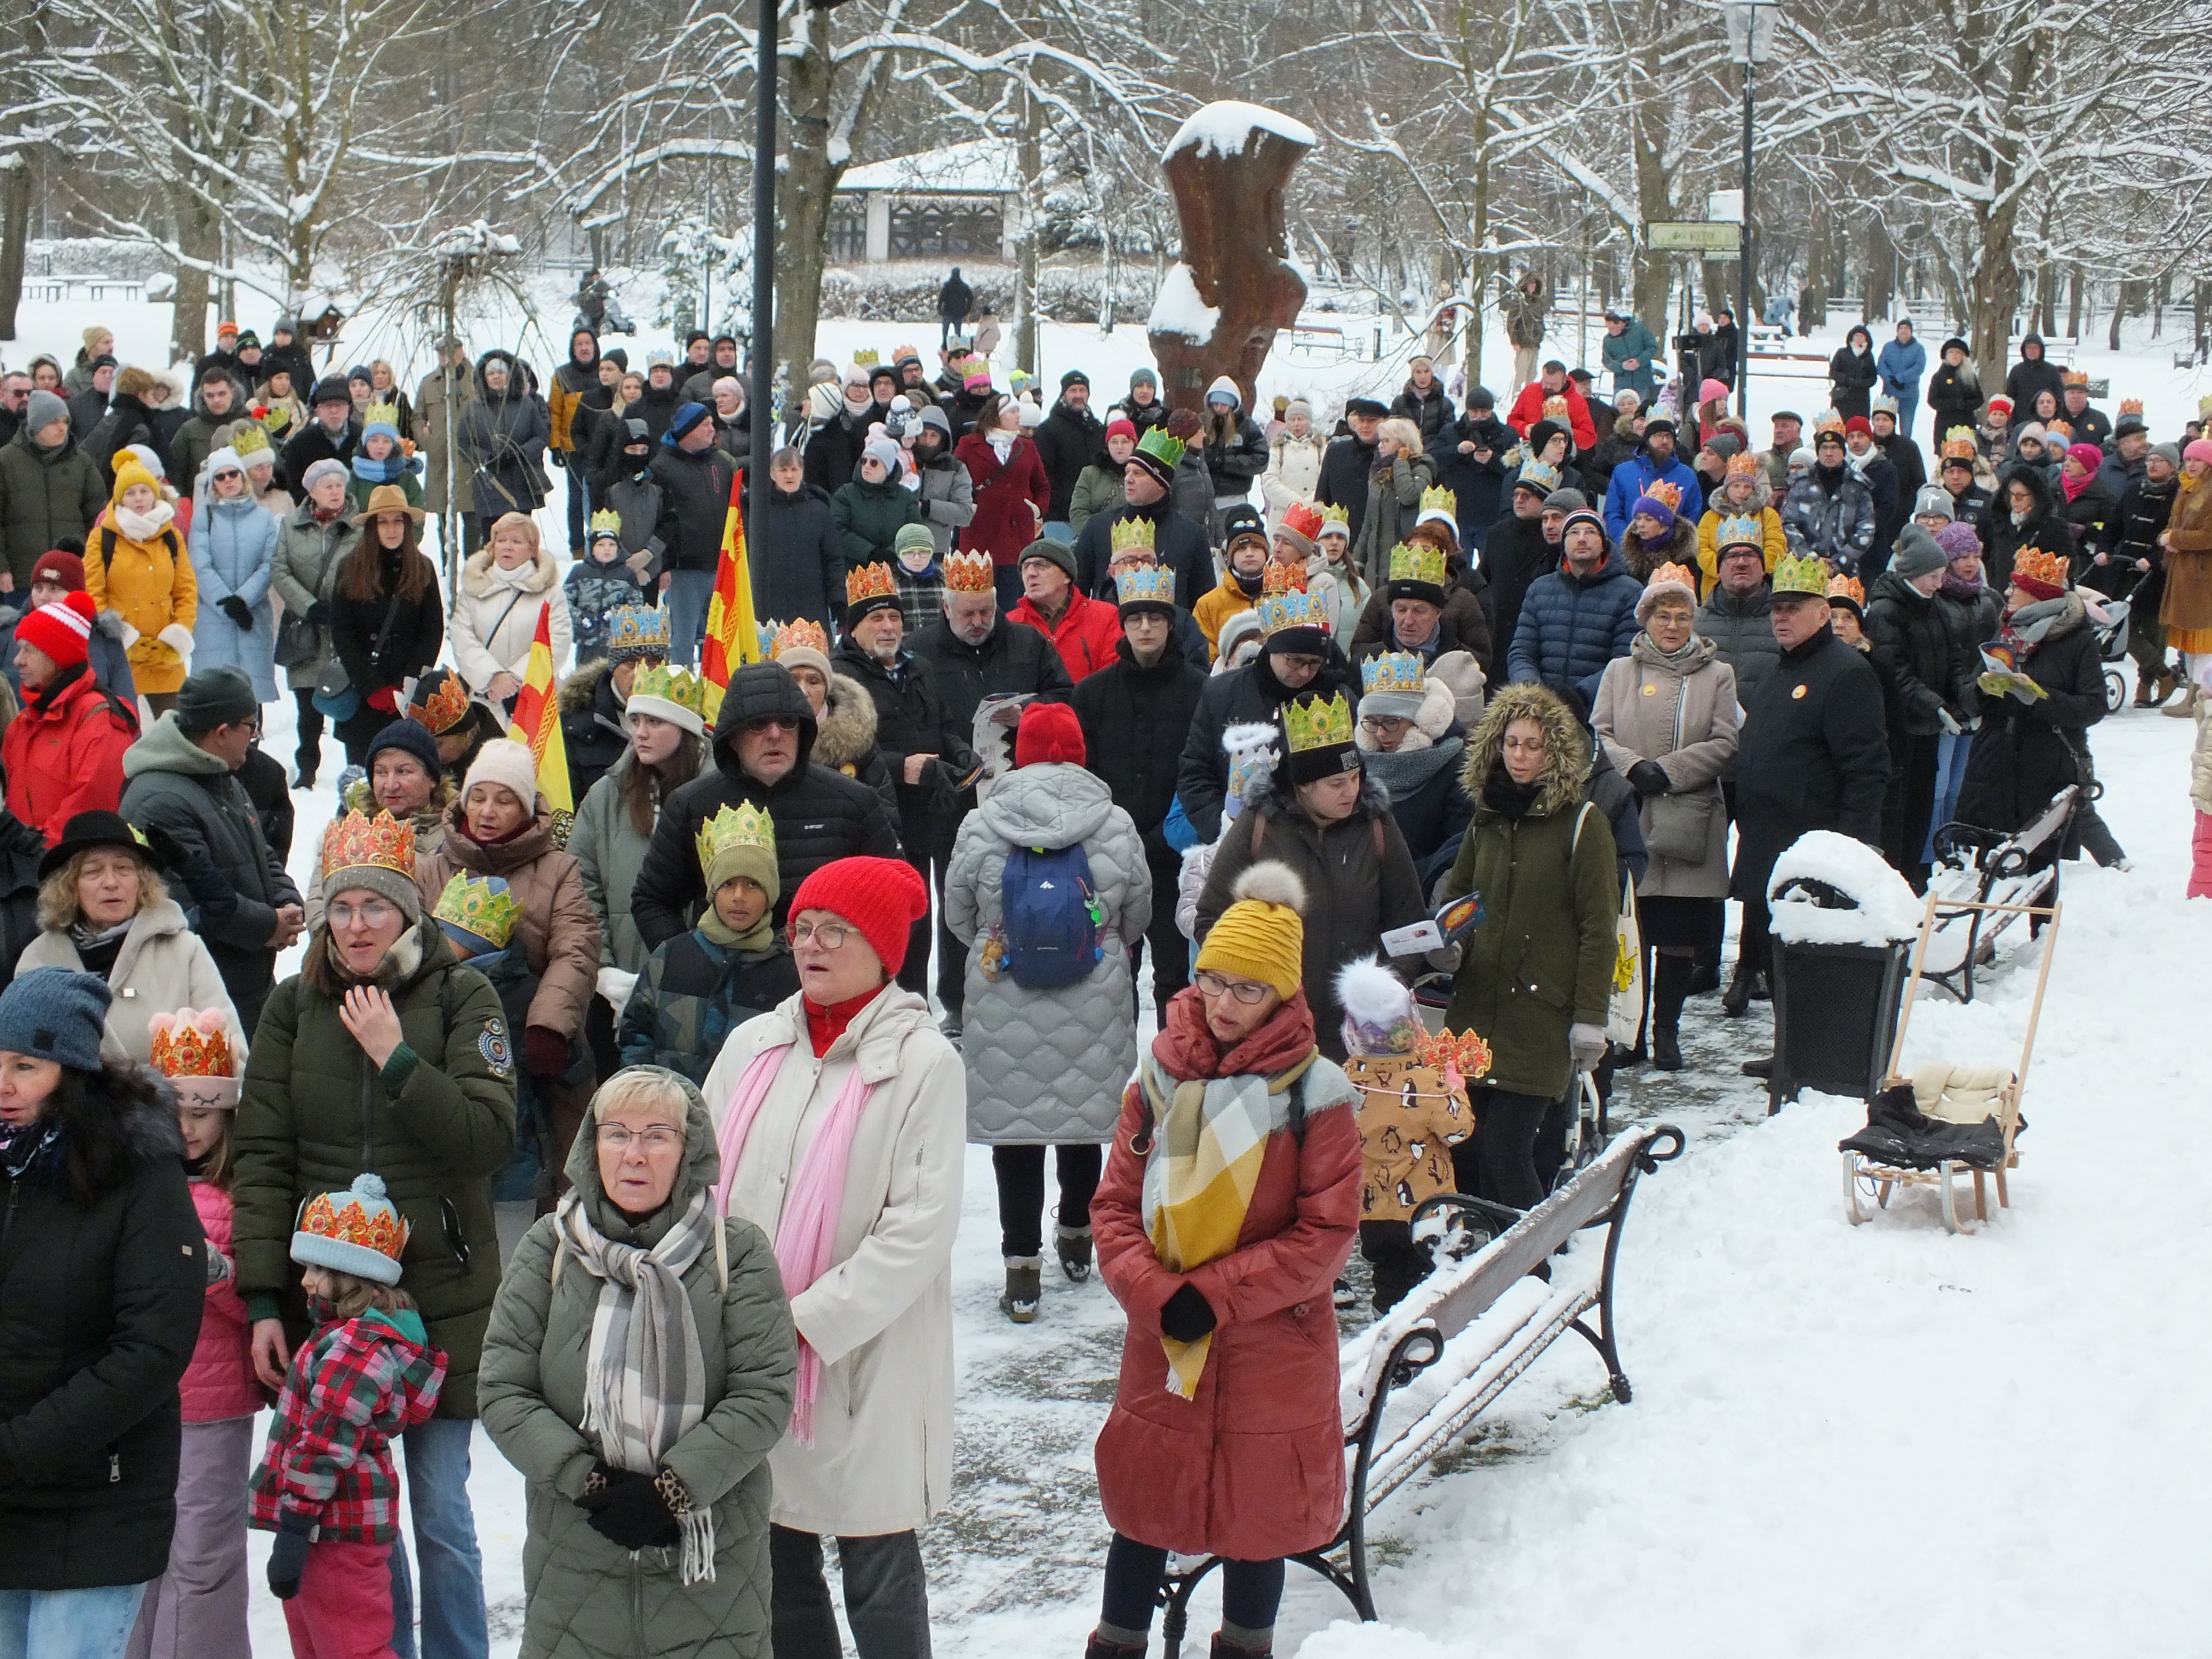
1262	936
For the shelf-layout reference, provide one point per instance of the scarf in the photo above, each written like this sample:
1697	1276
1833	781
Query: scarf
97	948
2070	488
1679	653
645	1379
1509	799
1199	1173
500	576
1962	587
144	526
2026	628
761	935
807	1234
1001	442
26	1148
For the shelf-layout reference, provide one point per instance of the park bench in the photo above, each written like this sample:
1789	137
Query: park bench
1417	1379
1983	883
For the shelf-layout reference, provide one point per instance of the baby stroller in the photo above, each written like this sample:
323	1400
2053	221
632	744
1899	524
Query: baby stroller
2108	620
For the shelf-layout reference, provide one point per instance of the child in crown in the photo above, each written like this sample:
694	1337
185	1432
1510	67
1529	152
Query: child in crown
598	584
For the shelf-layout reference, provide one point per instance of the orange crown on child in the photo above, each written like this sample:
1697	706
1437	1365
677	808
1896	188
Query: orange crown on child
191	1042
2040	564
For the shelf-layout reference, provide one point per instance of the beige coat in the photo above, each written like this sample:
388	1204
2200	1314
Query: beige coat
559	932
1685	716
881	1318
161	967
494	622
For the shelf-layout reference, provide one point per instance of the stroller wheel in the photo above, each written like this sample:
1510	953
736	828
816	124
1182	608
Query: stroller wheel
2116	691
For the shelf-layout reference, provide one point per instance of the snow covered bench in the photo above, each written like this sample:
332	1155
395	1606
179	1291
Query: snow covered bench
1417	1379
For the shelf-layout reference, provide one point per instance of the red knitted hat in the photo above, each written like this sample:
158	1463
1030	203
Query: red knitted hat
882	898
1048	732
63	630
64	569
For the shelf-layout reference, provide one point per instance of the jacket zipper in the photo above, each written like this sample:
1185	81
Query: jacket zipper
367	1109
8	1221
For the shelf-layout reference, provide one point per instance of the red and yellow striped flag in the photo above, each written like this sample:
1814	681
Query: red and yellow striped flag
732	631
535	723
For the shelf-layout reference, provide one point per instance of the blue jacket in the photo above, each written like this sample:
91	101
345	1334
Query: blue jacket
233	555
1900	366
1571	626
1630	480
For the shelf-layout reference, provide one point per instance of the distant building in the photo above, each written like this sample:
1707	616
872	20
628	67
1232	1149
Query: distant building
960	203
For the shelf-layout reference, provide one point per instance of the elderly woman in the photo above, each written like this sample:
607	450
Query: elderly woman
1666	714
648	1490
405	779
100	1291
385	1053
103	909
1537	976
1224	1439
841	1119
233	548
504	589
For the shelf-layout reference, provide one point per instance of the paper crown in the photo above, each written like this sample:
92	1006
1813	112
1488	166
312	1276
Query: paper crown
1848	587
1283	576
870	582
2062	430
1679	575
480	908
1740	532
2130	406
1464	1053
606	522
358	1231
1807	575
1540	476
1302	520
2040	564
1161	448
634	631
2074	377
1126	535
1742	464
742	825
1311	723
1279	612
806	634
1153	586
1555	407
1959	445
1440	502
1335	521
682	688
358	842
250	439
1418	562
865	359
1666	492
1883	405
379	414
968	572
1400	673
440	702
193	1042
1827	423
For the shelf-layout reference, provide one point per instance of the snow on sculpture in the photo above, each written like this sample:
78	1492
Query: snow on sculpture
1220	304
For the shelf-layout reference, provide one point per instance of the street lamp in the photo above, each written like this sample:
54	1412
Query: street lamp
1750	29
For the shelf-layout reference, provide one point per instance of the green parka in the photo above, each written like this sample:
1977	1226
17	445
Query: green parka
314	1114
869	517
586	1597
1542	960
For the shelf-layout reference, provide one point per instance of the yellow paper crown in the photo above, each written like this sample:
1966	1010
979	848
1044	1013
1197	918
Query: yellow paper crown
1312	723
1681	574
681	687
358	842
1804	575
1418	562
606	522
1742	464
379	414
865	359
870	582
1400	673
478	905
1333	517
803	634
742	825
1959	445
250	439
1129	534
350	1223
2040	565
1438	499
968	572
1293	609
1154	586
1283	576
192	1043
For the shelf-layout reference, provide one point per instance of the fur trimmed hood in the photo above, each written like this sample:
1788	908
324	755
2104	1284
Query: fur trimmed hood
1566	749
581	687
847	735
477	579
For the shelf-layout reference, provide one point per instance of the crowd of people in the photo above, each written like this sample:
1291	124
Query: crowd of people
1065	693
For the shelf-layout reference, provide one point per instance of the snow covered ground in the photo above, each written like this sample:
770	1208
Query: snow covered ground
1843	1440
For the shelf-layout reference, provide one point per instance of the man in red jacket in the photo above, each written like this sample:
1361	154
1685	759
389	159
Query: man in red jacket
1084	630
1528	407
64	753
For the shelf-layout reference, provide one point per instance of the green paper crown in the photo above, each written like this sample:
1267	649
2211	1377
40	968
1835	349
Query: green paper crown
481	906
1807	575
1167	450
1312	723
742	825
1418	562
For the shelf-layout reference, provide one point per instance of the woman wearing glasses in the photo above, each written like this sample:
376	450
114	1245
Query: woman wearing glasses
842	1119
384	1055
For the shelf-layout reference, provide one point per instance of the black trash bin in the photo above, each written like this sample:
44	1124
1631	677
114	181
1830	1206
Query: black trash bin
1835	1010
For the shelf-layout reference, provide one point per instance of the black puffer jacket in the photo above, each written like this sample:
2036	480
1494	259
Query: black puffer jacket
1345	466
2026	752
1241	695
1912	638
694	506
100	1297
502	444
1969	623
1134	724
2043	528
2032	375
1012	658
591	726
818	815
799	569
1430	410
1067	440
911	719
1514	554
1955	395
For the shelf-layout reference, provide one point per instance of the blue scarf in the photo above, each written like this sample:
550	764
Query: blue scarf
391	470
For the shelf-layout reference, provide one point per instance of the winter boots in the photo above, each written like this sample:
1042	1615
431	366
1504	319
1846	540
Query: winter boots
1100	1647
1073	1244
1737	998
1024	1288
2185	706
1670	989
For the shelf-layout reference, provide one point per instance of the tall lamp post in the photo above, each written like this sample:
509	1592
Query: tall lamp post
1751	28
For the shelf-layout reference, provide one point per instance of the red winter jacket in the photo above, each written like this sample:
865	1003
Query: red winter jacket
64	754
1253	1467
1528	409
220	1383
1089	631
1005	494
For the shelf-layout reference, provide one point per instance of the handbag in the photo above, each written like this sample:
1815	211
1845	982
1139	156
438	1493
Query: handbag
299	641
334	695
1680	827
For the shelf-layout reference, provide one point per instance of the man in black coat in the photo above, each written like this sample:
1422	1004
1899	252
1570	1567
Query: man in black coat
974	653
694	479
1292	662
798	559
953	302
1067	440
1902	451
762	739
2034	373
1470	457
1813	755
1349	461
1911	639
331	434
1970	501
1136	713
1179	541
1523	546
2134	557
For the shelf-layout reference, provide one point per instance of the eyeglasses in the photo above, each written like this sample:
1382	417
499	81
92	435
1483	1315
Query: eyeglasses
1294	663
829	935
1524	746
1213	985
658	1138
374	913
1381	724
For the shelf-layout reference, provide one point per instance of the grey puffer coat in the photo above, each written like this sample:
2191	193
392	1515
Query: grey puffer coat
1047	1067
308	555
609	852
585	1596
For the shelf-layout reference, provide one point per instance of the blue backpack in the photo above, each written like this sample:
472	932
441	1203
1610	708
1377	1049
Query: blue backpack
1051	916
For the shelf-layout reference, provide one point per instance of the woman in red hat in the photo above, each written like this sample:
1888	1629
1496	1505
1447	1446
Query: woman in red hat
64	753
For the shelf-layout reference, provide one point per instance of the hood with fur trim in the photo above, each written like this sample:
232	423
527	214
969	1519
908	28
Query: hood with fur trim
1566	749
847	735
578	690
476	578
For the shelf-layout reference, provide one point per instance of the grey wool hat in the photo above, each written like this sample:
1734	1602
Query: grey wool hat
1917	554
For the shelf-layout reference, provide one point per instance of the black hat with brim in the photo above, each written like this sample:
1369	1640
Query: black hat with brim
90	832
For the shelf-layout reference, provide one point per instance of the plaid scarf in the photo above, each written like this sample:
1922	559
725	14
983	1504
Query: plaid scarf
645	1380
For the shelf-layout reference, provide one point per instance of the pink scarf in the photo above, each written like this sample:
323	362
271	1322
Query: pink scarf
809	1229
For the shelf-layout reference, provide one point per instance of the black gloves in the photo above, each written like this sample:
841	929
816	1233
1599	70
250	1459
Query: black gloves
289	1559
318	615
1648	777
1186	1316
559	457
627	1510
239	611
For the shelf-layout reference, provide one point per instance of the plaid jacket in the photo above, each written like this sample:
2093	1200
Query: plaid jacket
353	1386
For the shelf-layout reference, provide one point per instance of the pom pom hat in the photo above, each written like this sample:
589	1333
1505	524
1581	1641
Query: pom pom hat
1261	936
358	1231
1048	733
882	898
63	630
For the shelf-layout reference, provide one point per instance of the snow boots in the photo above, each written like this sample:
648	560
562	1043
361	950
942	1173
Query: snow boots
1024	1288
1073	1244
1670	989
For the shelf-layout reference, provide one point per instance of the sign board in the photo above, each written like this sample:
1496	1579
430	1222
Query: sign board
1715	242
1724	206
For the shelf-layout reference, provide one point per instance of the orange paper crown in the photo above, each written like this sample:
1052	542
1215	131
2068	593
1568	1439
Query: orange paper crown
2041	565
968	572
1741	464
1848	587
2059	429
1282	577
360	842
446	701
1465	1054
2130	405
870	582
1959	445
2074	377
192	1043
1671	572
1664	489
800	636
350	1223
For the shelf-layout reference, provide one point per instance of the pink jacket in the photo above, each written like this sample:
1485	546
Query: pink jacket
220	1383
